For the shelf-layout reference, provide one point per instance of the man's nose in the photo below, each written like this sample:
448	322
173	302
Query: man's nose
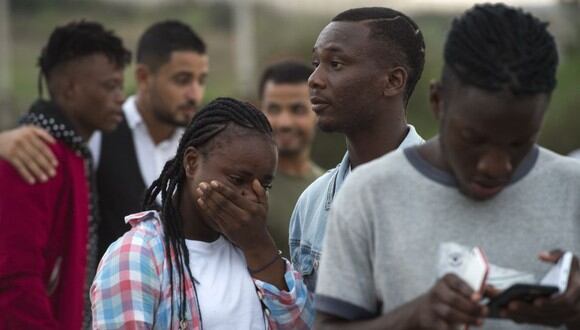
317	79
495	164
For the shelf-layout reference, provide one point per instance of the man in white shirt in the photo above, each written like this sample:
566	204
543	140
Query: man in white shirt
172	67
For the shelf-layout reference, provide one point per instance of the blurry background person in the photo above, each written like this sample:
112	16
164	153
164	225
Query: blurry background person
171	71
285	99
48	241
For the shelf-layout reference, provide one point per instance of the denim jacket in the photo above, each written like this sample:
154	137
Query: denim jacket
308	222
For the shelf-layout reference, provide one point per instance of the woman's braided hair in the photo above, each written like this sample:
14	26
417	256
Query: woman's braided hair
206	125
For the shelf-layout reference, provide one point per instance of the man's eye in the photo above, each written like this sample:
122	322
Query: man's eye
182	80
335	65
267	186
315	63
273	110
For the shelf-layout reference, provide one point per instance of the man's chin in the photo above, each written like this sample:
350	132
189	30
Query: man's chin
480	193
327	126
289	152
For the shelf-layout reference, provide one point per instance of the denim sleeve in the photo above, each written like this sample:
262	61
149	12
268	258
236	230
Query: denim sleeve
295	233
292	309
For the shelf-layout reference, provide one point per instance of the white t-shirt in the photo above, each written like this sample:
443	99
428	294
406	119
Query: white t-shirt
226	292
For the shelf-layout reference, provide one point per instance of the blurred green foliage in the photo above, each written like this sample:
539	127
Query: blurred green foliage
278	35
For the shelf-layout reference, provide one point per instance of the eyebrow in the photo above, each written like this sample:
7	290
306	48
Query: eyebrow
332	48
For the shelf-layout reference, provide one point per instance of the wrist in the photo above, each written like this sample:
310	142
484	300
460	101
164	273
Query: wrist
260	247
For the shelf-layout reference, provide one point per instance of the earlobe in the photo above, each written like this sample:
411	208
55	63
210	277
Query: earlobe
190	161
395	81
68	88
141	75
436	99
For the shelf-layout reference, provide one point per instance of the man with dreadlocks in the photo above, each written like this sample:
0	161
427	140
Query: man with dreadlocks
482	181
48	235
205	260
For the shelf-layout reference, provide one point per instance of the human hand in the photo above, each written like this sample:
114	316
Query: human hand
560	309
26	148
241	219
450	303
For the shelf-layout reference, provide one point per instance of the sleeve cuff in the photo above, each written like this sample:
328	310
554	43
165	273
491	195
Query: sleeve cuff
271	292
341	308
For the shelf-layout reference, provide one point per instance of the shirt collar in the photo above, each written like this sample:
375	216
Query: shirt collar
412	138
134	119
131	113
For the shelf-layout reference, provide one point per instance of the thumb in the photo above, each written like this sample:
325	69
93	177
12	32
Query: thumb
551	256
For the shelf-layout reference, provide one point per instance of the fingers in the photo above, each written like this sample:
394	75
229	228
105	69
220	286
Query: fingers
260	192
23	170
43	135
229	194
490	291
27	150
458	285
551	256
41	145
220	207
35	159
459	304
522	312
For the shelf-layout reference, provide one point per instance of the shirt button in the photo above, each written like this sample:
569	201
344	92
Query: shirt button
267	311
260	295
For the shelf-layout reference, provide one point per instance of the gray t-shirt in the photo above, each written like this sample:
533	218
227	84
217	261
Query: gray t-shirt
393	215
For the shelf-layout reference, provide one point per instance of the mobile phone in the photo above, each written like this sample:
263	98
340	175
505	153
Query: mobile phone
520	292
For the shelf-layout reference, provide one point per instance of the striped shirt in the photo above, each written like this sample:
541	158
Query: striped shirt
132	287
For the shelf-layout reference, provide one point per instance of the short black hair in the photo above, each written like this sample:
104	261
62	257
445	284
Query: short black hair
78	39
161	39
406	46
287	71
497	47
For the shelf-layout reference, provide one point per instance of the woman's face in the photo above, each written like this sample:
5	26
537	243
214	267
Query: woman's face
235	158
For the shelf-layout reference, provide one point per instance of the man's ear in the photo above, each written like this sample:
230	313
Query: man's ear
142	75
191	160
68	89
395	81
436	99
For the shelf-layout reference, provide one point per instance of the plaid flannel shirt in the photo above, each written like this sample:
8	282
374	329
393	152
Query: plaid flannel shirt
131	289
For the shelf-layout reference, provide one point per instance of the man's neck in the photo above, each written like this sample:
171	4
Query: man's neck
374	141
158	131
297	165
431	152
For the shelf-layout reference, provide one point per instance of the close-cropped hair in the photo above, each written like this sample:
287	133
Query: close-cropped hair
163	38
497	47
80	39
404	43
285	72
